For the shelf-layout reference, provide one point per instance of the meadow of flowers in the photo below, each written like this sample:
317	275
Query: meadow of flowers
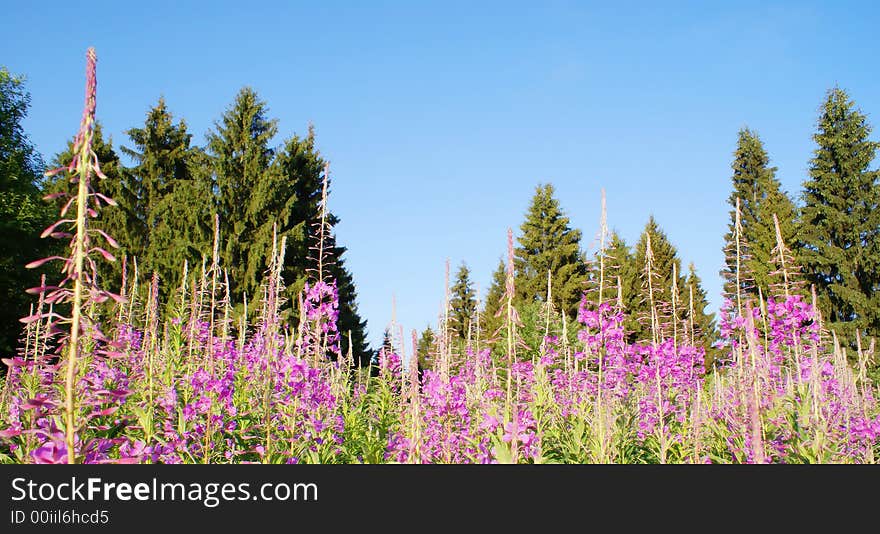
189	392
105	378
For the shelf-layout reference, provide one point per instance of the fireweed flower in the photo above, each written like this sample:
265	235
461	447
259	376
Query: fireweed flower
550	352
258	401
390	364
321	309
51	452
446	420
520	433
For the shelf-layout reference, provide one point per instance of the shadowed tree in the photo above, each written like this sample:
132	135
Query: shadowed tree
301	173
700	323
426	349
23	213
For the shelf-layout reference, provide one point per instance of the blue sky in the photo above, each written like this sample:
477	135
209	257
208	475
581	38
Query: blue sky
440	118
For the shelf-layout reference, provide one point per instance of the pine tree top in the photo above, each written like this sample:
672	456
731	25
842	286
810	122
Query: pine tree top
759	196
839	235
548	243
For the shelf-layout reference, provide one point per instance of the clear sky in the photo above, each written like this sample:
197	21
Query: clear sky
440	118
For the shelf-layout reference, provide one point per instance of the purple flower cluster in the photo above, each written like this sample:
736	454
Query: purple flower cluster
321	309
280	396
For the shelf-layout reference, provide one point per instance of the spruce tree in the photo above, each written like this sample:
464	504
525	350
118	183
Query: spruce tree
426	349
350	324
292	197
619	278
490	322
124	222
548	243
241	156
23	214
840	221
462	304
387	345
700	322
174	200
656	285
624	265
759	195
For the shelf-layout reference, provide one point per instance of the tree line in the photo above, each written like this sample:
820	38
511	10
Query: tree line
829	245
169	201
171	197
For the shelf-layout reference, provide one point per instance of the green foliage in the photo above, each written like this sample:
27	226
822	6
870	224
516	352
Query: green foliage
548	243
387	345
174	198
760	197
240	154
123	222
530	332
655	285
350	324
168	200
370	419
840	221
287	201
490	320
426	348
263	194
700	324
23	214
290	197
462	304
620	276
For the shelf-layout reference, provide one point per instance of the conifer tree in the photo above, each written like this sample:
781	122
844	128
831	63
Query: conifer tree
288	201
624	266
125	222
776	203
656	283
291	199
840	222
619	277
463	303
264	194
241	156
700	323
548	243
426	349
350	323
23	214
759	195
490	322
174	196
387	345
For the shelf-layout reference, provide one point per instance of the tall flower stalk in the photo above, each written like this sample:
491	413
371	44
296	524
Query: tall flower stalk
79	268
